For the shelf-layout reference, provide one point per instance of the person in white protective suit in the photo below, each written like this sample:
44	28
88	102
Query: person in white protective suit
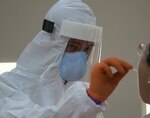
144	73
46	82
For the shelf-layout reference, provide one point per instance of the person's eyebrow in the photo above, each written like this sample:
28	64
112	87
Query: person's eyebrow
91	44
75	42
78	42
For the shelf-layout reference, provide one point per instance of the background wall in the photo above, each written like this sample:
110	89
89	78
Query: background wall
125	24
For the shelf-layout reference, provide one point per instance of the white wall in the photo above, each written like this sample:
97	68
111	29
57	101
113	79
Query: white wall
125	24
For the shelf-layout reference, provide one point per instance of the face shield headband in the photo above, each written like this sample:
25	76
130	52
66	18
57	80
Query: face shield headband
85	42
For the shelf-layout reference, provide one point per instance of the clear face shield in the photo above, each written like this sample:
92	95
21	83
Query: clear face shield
144	72
82	52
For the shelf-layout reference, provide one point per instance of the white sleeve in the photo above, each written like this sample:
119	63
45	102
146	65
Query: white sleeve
74	104
15	104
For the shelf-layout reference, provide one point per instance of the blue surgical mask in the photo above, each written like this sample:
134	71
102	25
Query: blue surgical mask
73	66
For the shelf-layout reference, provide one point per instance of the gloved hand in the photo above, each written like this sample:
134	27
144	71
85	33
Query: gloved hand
103	80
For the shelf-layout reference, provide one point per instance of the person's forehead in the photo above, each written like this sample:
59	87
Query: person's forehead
79	41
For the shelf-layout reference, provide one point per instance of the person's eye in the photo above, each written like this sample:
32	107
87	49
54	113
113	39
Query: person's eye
71	48
88	50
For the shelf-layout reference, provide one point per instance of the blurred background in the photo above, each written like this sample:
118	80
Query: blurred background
125	25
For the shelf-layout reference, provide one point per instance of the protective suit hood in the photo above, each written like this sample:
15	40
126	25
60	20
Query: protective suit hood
34	87
42	56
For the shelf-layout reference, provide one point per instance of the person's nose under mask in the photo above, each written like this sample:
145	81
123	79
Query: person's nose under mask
73	65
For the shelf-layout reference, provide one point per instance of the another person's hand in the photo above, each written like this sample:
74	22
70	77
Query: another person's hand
103	80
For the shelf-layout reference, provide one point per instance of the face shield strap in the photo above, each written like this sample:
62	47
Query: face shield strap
48	26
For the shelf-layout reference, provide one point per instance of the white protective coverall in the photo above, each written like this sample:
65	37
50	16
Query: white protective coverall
34	88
